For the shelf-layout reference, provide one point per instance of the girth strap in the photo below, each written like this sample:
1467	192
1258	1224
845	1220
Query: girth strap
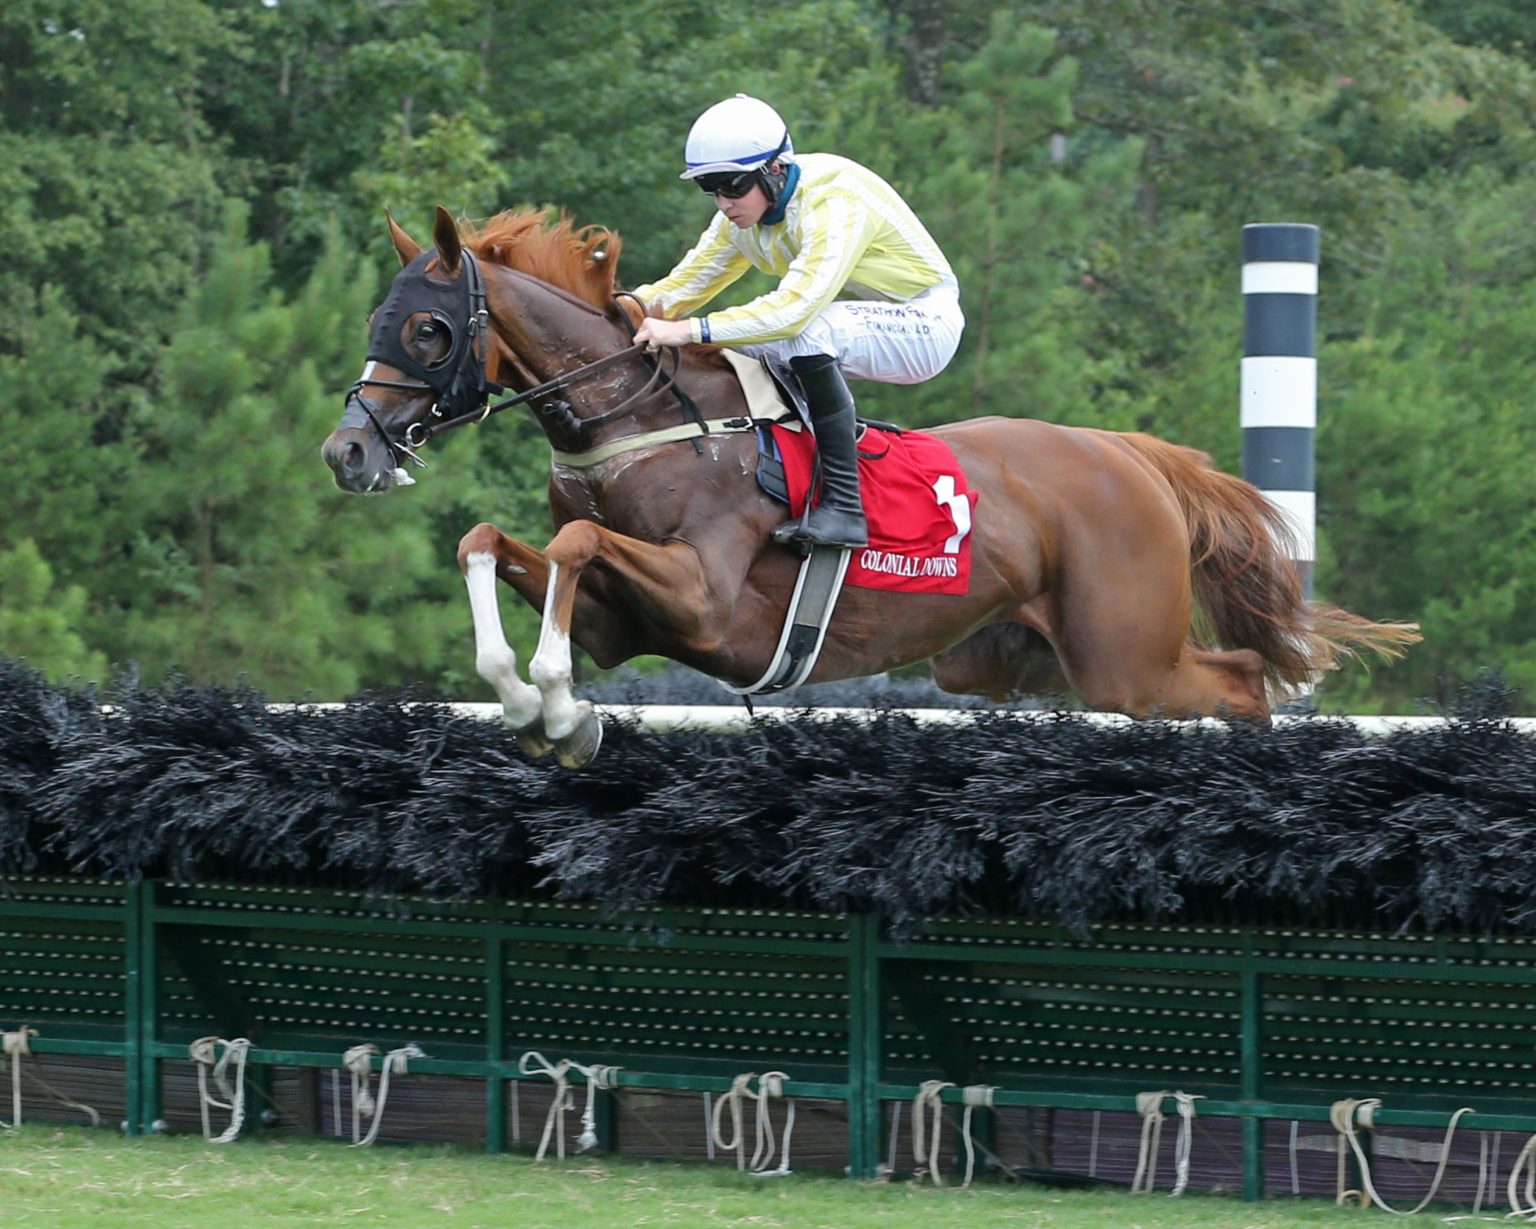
805	623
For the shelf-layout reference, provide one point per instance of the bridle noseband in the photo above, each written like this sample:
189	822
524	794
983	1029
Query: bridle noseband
461	392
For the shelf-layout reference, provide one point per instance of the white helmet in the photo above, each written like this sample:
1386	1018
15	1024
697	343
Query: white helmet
739	134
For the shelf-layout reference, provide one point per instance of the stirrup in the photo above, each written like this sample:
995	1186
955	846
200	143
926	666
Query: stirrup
805	533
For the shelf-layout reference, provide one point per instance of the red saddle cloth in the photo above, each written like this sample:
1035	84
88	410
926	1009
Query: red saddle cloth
918	503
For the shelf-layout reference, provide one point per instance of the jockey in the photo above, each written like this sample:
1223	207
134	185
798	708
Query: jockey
863	291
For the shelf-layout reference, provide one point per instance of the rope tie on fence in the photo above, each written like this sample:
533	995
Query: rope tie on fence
1525	1163
770	1087
731	1102
1482	1168
554	1121
602	1077
359	1061
1339	1113
1345	1115
1150	1106
597	1077
205	1053
927	1126
15	1044
973	1097
1185	1101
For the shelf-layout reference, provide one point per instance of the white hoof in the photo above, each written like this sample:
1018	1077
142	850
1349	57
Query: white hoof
579	748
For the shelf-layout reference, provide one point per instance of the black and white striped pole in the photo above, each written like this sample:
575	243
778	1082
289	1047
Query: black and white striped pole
1279	375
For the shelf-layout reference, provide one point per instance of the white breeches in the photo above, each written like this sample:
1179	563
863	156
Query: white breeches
893	343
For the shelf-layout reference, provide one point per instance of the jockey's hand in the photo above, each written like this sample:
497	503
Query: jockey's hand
654	331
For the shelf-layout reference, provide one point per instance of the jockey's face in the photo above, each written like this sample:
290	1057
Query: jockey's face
744	211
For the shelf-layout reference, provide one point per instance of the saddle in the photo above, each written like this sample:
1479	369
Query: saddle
774	398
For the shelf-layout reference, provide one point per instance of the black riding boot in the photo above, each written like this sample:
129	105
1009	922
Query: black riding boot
838	520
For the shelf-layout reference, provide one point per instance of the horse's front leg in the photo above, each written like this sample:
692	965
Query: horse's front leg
664	586
484	554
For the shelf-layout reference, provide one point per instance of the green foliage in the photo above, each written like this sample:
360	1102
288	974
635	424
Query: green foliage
1507	25
167	368
1018	215
114	230
49	431
100	68
38	618
602	133
245	560
1433	395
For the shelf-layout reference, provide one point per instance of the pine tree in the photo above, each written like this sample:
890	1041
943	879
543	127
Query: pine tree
245	559
1016	206
39	620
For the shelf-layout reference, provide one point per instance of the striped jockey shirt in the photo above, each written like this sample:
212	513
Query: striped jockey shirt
846	233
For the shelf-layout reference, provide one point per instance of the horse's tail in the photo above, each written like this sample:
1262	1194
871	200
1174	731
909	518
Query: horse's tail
1248	594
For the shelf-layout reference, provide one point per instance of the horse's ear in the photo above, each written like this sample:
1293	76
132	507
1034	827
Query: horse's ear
405	247
445	233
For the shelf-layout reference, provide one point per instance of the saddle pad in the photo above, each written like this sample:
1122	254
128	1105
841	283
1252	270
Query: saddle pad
765	399
918	503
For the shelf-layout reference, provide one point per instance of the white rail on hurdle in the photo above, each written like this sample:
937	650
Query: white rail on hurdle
729	719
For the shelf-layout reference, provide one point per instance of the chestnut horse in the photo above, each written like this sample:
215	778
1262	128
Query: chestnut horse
1092	550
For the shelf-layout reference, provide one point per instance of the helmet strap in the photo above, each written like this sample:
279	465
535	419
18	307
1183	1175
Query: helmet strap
771	181
778	187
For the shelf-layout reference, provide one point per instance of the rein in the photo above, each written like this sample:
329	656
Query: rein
418	433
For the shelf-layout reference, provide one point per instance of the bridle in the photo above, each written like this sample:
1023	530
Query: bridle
458	383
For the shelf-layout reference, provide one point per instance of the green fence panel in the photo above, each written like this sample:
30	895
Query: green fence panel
1264	1023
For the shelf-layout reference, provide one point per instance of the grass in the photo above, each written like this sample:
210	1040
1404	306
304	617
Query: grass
73	1178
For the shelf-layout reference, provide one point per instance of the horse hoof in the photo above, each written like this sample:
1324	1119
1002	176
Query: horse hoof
579	748
532	740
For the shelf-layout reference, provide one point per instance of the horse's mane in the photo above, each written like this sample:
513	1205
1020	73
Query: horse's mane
581	260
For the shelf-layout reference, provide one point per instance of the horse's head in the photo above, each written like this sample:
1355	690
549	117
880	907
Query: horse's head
426	360
544	317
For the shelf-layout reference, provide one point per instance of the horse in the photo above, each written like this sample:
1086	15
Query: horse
1119	567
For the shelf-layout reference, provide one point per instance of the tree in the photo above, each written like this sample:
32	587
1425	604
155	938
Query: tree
245	560
39	620
102	217
338	109
109	172
1424	503
54	379
1017	213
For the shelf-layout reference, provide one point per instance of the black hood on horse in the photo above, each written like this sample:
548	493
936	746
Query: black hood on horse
459	308
456	377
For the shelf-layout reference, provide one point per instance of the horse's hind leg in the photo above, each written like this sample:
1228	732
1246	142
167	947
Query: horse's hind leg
1001	661
1123	630
1151	673
1241	671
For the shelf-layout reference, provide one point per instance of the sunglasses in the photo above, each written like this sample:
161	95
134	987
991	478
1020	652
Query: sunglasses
730	184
